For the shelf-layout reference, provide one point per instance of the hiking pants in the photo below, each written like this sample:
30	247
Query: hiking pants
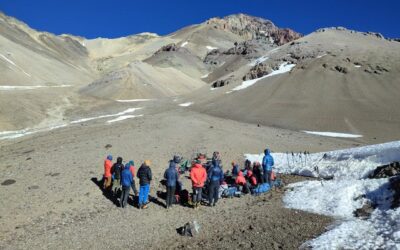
170	196
134	188
125	195
213	192
197	194
144	194
267	177
116	186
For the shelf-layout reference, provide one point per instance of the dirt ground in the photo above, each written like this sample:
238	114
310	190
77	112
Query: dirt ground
55	201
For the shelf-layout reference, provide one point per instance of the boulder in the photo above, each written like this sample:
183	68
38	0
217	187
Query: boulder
386	171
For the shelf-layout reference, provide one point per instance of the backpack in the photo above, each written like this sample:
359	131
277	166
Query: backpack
116	171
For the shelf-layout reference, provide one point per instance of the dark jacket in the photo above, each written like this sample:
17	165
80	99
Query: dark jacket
126	177
171	175
268	161
215	173
117	168
144	175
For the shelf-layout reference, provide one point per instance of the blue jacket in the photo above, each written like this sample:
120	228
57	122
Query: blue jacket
171	175
268	161
126	177
235	170
215	173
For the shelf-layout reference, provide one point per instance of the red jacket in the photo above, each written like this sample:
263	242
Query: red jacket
132	169
198	175
240	180
107	168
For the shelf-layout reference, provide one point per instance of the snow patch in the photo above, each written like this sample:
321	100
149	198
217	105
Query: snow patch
205	76
259	60
130	110
31	87
186	104
135	100
11	62
347	190
211	48
357	66
283	68
320	56
184	44
333	134
123	117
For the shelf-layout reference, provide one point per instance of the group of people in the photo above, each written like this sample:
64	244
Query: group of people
207	178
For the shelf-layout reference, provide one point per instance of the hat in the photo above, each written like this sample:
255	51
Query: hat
109	157
131	163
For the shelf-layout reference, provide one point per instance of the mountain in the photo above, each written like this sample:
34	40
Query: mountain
336	80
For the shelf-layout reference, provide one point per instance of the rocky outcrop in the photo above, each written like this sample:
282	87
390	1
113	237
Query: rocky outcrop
386	171
250	28
168	48
220	83
243	48
258	71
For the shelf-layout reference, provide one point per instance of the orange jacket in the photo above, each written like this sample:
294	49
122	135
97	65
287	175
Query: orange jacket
198	175
132	169
240	180
107	168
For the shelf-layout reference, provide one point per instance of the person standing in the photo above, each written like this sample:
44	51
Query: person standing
132	169
198	175
216	177
145	176
116	173
107	173
267	164
126	182
171	176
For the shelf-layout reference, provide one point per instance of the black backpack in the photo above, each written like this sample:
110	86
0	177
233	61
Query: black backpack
116	170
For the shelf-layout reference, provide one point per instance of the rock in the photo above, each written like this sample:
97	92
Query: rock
258	71
220	83
386	171
341	69
108	146
365	211
249	28
8	182
168	48
189	229
395	187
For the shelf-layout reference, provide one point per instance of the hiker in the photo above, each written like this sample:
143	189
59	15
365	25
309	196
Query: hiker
241	183
126	182
247	164
257	171
132	169
267	163
216	177
145	177
107	173
251	179
198	175
116	174
217	157
171	176
235	169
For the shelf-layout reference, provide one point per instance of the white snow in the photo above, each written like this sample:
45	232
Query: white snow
259	60
205	76
31	87
283	68
320	56
135	100
123	117
333	134
184	44
357	66
211	48
130	110
186	104
348	190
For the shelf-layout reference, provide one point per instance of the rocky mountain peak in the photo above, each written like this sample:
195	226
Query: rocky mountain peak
250	27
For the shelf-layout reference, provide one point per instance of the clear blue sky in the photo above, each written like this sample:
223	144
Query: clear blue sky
101	18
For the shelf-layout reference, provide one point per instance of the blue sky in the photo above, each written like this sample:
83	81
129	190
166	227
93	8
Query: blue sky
101	18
